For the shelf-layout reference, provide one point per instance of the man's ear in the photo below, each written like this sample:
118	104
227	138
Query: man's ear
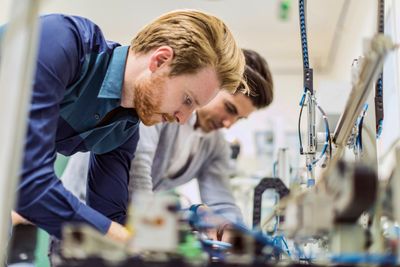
161	57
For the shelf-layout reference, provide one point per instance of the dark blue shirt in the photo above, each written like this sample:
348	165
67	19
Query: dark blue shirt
76	107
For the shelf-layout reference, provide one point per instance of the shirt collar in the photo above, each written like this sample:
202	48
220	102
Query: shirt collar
112	84
192	122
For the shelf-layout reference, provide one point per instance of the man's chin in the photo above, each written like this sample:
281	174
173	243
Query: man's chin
205	129
150	122
155	119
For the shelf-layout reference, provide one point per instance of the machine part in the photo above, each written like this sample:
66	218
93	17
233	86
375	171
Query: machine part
243	248
82	242
372	63
23	244
308	87
323	143
303	34
354	188
155	220
284	166
264	184
308	216
379	115
362	139
347	238
395	187
311	134
309	97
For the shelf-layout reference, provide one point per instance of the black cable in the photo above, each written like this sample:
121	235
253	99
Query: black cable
360	127
306	65
379	115
359	137
303	33
381	16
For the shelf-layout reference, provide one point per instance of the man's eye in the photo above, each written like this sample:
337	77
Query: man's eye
188	101
230	109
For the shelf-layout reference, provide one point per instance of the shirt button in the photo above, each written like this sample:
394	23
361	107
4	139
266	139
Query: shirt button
97	116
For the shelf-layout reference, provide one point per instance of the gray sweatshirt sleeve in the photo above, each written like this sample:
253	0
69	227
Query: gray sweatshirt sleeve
140	172
75	176
215	190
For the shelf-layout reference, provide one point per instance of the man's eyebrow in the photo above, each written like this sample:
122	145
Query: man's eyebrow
196	101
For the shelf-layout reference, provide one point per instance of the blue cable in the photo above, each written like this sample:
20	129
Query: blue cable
303	33
277	218
218	244
274	168
360	125
379	111
278	241
197	221
303	97
380	128
364	258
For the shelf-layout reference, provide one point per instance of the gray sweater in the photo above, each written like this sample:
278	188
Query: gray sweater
210	165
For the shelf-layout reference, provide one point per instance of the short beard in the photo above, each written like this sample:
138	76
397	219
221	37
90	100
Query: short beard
148	98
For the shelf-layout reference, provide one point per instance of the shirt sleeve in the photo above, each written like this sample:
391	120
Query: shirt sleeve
108	180
42	198
214	184
140	173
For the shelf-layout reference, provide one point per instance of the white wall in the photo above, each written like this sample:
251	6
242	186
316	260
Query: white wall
5	6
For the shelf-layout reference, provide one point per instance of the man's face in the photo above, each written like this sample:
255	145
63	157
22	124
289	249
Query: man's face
160	98
223	111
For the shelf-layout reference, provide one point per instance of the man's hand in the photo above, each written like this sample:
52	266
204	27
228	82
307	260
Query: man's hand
224	233
18	219
218	233
118	233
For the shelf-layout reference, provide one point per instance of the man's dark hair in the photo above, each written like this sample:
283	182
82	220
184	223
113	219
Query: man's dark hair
259	79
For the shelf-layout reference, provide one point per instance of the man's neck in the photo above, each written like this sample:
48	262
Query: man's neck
134	67
127	98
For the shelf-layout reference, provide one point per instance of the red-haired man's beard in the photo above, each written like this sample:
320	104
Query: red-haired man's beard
147	101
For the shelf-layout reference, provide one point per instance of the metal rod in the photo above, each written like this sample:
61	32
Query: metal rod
18	56
371	66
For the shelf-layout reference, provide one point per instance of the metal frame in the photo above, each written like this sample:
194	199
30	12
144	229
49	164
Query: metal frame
18	57
372	65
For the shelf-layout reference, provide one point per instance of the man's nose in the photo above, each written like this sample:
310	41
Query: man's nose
229	121
183	114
